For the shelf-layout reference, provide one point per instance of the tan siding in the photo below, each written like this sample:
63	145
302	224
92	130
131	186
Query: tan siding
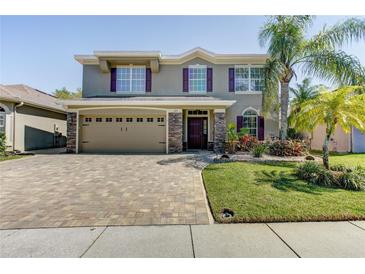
168	82
340	141
37	119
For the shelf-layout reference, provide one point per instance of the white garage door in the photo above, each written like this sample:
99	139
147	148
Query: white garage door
123	134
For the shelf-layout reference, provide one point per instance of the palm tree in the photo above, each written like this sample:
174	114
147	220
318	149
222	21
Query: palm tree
302	93
343	107
319	56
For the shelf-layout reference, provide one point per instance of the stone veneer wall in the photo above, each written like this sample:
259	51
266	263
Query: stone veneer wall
71	132
175	134
219	132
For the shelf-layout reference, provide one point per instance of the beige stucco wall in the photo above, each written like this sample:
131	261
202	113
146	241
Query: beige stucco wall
340	141
168	82
38	119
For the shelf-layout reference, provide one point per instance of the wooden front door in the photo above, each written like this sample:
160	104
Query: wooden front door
197	132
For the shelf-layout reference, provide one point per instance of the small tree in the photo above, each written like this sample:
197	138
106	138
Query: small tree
63	93
234	136
344	107
2	144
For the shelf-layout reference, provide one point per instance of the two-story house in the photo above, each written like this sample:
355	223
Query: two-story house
146	102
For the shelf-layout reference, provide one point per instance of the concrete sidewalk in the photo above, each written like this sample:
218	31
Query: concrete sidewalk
325	239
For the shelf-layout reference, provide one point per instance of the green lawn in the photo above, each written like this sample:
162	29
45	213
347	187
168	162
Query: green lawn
11	157
348	159
270	192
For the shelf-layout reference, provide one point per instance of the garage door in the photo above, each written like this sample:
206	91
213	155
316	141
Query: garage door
123	134
358	141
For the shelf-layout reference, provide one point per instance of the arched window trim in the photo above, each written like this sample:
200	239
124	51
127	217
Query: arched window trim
256	122
5	108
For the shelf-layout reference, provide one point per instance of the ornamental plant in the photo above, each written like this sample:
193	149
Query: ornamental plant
343	107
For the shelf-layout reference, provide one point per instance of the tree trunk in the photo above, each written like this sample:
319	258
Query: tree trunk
284	103
326	152
329	130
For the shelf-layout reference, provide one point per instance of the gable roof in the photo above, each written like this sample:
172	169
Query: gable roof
198	52
30	96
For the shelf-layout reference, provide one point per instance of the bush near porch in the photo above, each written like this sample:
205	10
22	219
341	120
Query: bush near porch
269	192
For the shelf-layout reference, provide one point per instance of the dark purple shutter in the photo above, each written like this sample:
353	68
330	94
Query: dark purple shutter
261	129
148	79
209	79
231	79
113	79
185	79
239	123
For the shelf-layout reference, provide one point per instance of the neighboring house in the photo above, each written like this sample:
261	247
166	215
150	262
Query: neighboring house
31	119
353	141
143	101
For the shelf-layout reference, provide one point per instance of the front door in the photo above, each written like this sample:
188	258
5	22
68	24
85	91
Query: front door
197	132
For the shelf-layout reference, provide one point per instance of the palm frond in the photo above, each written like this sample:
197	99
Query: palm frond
285	36
344	106
334	66
350	30
273	71
304	90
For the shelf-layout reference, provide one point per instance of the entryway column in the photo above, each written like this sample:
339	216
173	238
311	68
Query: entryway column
219	130
175	130
71	132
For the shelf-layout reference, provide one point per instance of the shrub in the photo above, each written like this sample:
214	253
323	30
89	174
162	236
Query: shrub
247	142
288	148
258	150
324	177
315	173
296	135
308	170
2	144
352	179
339	176
232	137
340	167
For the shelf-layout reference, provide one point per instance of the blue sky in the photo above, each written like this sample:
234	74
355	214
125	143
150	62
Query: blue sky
38	50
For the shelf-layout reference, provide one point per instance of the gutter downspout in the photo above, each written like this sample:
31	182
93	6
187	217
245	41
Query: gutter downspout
15	107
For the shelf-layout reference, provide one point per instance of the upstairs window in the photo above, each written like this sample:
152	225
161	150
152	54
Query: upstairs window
257	76
242	78
249	78
198	78
131	79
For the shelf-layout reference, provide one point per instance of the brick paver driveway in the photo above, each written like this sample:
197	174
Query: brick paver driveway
90	190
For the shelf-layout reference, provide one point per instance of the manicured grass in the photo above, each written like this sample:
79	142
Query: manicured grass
11	157
258	192
350	160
